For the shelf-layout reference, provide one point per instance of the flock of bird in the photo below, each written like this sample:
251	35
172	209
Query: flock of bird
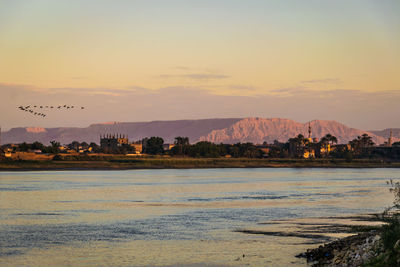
33	111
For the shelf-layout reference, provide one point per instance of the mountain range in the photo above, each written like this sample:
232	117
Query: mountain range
230	130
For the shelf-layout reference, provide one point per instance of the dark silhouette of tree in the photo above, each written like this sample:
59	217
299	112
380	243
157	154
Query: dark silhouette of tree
246	150
54	148
95	147
362	145
37	146
181	140
330	138
366	141
181	146
324	143
74	145
333	140
154	146
204	149
84	145
24	147
234	151
296	145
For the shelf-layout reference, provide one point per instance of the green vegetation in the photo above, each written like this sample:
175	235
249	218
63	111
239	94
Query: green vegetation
75	145
390	232
153	145
52	149
202	149
296	152
114	162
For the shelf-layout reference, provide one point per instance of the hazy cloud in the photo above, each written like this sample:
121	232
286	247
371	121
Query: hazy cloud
242	87
326	81
289	91
364	110
182	68
196	76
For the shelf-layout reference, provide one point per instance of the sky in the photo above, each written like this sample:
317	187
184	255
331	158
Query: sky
143	60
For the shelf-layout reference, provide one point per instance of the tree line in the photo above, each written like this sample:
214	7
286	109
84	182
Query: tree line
202	149
296	147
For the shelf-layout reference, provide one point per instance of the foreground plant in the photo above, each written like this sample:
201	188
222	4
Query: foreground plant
390	232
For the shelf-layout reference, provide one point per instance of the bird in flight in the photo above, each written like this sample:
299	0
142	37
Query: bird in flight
34	109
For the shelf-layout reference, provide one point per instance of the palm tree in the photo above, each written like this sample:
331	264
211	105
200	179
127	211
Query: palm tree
361	143
327	141
366	141
296	144
331	139
324	140
181	144
181	140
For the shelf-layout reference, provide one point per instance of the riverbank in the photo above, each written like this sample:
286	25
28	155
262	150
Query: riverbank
126	163
355	250
373	248
367	249
339	241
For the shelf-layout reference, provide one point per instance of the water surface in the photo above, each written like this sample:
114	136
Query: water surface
174	217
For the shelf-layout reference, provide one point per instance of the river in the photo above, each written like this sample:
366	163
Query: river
176	217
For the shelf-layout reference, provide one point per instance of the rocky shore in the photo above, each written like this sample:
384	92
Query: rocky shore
354	250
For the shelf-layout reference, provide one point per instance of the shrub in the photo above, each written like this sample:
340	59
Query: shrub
391	230
57	157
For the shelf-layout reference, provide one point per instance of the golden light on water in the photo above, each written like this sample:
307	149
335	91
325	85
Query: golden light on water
172	217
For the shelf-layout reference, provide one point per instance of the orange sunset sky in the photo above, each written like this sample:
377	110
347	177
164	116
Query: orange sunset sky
168	59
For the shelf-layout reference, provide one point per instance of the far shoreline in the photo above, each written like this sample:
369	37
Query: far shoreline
126	163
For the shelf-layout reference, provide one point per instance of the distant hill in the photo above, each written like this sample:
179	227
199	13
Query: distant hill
135	131
258	130
232	130
386	133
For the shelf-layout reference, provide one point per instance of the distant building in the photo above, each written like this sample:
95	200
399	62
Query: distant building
138	146
2	154
342	147
168	147
392	152
325	150
265	150
309	153
308	150
389	142
111	143
309	138
18	155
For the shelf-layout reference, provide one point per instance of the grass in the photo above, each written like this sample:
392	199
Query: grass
364	228
390	256
159	162
390	233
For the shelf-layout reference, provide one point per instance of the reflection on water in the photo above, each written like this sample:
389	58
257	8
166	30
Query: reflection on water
173	217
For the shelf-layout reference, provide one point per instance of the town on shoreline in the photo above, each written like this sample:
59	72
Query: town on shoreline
117	152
